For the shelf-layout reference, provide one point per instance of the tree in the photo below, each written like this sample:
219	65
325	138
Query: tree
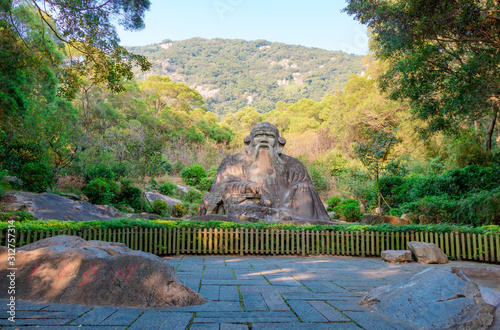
443	58
85	30
374	151
144	149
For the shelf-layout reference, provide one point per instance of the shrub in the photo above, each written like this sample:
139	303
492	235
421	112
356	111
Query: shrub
177	167
4	185
318	179
193	196
193	174
129	195
167	189
180	210
205	184
193	208
153	183
396	212
160	207
121	169
349	210
332	202
36	177
98	171
100	191
166	167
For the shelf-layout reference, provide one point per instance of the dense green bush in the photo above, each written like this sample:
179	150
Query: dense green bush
4	185
481	208
98	171
140	223
180	210
168	189
463	195
193	196
121	169
128	194
36	177
349	210
332	202
192	208
193	174
160	207
16	216
205	184
100	191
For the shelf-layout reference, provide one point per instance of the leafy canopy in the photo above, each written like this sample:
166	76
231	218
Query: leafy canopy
86	31
444	57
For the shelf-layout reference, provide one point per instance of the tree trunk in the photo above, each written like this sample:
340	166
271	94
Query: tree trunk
491	128
378	195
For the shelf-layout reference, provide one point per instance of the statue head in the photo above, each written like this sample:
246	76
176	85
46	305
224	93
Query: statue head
264	136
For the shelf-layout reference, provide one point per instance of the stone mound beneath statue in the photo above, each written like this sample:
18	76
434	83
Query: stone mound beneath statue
70	270
214	217
442	298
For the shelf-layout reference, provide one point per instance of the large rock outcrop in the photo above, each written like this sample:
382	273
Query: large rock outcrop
396	256
68	269
263	184
151	196
50	206
427	253
441	298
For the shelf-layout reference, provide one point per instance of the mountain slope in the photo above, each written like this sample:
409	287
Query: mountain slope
231	74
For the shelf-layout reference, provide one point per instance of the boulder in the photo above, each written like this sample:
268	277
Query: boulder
71	196
111	210
375	219
50	206
70	270
151	196
183	190
437	298
427	253
396	256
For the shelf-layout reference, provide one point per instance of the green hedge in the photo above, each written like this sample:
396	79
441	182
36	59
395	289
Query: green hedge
129	223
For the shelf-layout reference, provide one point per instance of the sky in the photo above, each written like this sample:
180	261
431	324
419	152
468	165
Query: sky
312	23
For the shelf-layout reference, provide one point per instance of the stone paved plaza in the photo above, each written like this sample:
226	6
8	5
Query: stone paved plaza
318	292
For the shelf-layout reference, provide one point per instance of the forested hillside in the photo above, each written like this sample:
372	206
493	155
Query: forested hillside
231	74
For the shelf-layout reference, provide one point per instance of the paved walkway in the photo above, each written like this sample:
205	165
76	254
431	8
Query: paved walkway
246	293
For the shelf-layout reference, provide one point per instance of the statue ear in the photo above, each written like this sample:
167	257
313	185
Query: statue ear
246	141
281	145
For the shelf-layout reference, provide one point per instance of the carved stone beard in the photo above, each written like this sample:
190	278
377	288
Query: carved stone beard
262	165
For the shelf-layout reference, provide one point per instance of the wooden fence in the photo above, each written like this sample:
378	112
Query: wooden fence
175	241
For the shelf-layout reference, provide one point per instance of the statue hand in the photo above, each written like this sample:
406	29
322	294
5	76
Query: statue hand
303	187
253	188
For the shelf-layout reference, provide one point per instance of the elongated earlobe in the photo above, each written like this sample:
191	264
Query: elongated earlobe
246	141
281	144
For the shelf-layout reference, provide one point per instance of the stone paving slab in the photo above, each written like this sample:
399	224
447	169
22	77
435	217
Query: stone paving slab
257	292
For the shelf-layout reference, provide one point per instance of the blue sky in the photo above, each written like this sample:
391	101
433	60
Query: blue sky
312	23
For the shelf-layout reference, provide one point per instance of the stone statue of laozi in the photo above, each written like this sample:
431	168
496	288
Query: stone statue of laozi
263	184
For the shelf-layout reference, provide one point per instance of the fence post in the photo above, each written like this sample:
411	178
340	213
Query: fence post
303	239
362	243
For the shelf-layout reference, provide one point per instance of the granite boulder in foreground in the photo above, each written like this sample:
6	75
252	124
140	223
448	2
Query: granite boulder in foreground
442	298
427	253
70	270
